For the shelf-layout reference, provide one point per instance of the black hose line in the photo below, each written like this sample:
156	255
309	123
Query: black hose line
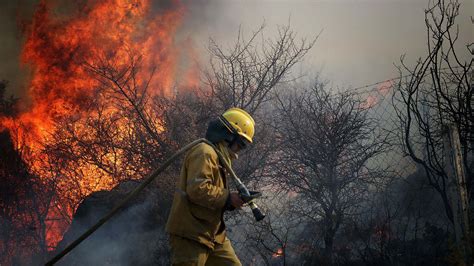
240	187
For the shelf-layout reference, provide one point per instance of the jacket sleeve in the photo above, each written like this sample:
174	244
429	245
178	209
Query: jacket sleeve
201	169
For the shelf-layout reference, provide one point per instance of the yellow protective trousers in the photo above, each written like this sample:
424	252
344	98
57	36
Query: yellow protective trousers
187	252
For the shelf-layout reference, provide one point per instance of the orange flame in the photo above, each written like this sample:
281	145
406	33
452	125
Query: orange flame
57	49
191	75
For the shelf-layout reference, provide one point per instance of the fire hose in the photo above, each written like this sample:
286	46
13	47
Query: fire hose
246	195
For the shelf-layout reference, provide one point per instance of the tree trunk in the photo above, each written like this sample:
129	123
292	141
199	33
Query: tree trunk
328	248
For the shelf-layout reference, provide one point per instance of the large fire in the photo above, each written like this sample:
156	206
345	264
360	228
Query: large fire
60	48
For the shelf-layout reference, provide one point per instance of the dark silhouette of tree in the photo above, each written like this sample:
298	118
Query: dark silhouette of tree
24	197
327	140
7	105
244	75
437	92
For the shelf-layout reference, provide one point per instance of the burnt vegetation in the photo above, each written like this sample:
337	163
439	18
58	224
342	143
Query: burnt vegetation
343	184
24	198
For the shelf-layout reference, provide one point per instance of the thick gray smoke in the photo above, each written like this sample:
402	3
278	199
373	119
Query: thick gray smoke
135	236
12	15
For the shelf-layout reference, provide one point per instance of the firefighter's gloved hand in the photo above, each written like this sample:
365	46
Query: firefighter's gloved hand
253	195
233	202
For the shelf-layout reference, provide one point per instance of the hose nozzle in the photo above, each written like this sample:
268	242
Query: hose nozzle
248	197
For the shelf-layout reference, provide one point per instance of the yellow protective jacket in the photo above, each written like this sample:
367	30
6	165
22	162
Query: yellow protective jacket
200	197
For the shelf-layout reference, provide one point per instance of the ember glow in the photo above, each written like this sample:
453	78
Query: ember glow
278	253
383	89
369	102
58	49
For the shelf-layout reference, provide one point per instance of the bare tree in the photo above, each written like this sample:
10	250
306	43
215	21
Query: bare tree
327	140
438	91
244	76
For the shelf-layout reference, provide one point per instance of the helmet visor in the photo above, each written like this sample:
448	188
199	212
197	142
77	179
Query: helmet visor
242	142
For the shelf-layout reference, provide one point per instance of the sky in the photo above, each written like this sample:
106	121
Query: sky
359	41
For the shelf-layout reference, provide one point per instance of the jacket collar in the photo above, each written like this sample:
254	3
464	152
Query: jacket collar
228	155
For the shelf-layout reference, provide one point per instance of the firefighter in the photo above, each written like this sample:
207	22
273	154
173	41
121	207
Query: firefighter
195	224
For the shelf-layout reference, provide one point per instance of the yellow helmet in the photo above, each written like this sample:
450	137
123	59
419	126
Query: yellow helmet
242	123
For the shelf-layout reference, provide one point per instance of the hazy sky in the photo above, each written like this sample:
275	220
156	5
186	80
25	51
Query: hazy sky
360	40
359	43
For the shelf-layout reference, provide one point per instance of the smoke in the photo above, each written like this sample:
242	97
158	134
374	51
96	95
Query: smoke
135	236
358	46
13	16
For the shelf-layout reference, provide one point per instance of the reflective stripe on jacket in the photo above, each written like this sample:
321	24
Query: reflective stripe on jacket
198	203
